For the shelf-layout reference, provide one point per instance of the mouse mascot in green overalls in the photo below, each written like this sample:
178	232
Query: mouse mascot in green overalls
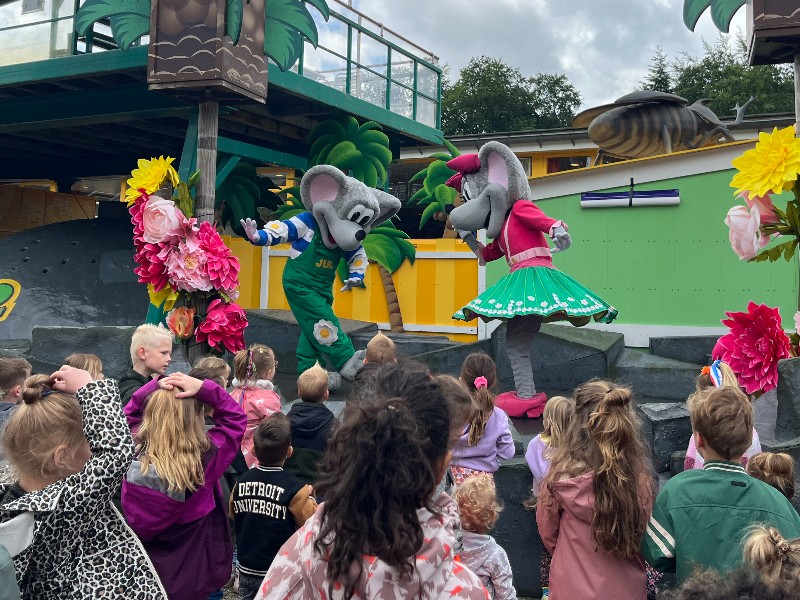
341	211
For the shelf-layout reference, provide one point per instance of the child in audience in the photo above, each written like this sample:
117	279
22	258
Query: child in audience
170	495
13	373
487	437
268	504
558	413
594	501
151	354
744	583
87	362
699	516
777	559
379	534
253	370
775	469
69	445
459	404
380	351
716	376
479	510
311	424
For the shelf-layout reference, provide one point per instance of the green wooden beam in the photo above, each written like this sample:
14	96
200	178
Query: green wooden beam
245	150
87	107
230	163
189	154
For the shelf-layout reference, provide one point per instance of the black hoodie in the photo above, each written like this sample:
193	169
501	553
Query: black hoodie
311	427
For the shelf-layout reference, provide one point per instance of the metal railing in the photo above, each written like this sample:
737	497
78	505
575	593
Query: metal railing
356	55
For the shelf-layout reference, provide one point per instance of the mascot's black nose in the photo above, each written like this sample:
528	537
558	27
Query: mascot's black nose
448	208
360	235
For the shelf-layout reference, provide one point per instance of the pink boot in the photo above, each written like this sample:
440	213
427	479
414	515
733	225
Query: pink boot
514	406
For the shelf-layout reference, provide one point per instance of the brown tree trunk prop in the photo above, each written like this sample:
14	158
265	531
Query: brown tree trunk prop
395	316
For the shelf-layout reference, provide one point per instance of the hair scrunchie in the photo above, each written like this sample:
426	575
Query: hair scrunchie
480	382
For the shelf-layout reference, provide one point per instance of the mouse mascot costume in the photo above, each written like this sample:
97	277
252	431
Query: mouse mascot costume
496	196
341	212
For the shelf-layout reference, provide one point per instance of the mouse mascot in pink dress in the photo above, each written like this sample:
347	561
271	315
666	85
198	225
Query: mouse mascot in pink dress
496	196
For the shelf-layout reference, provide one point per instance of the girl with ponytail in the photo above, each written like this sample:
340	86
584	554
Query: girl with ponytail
596	499
487	437
379	533
777	560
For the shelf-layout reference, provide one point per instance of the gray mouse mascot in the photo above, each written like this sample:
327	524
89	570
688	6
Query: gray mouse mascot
341	212
496	196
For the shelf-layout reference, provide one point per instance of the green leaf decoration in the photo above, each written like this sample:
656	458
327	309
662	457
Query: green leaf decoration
692	9
429	211
722	12
127	28
234	12
95	10
183	199
288	23
787	250
389	247
241	193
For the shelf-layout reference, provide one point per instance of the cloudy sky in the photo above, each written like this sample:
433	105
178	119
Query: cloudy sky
603	46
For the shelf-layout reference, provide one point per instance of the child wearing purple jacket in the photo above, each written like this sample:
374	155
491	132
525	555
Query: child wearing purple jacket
487	437
171	494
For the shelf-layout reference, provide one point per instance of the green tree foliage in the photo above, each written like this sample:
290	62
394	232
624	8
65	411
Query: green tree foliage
658	76
492	96
723	75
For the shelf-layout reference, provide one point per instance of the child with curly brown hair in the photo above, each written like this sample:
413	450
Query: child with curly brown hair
775	469
479	510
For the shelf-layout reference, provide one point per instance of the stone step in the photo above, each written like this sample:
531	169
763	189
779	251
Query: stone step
655	376
691	349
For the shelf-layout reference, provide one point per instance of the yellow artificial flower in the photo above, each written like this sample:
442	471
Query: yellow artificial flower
772	166
165	299
149	177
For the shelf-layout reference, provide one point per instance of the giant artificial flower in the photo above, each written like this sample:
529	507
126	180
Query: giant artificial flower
766	209
221	265
149	177
185	263
753	346
181	322
152	269
772	166
223	326
745	231
135	211
161	219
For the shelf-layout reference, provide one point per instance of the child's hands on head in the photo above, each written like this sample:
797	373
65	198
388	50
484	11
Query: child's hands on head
69	379
189	385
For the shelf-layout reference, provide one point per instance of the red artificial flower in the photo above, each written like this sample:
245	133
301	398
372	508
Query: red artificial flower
135	211
753	347
221	265
152	268
223	326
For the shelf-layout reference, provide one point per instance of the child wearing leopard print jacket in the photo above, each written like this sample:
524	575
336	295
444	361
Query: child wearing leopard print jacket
70	445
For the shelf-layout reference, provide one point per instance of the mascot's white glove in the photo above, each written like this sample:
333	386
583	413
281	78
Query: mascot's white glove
561	239
351	283
473	244
250	230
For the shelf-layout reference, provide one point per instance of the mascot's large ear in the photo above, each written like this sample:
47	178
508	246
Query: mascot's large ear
322	183
389	205
504	168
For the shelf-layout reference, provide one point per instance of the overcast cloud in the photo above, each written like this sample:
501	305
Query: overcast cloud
603	46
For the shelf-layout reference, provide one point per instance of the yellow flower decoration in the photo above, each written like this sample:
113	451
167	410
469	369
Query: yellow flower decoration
772	166
165	299
149	177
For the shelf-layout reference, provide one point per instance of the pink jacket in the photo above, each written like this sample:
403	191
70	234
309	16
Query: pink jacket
260	401
693	459
298	573
522	239
579	569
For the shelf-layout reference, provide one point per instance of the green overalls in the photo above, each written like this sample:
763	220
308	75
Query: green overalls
307	282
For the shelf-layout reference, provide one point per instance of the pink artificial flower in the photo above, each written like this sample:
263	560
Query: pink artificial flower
152	268
745	231
223	326
135	211
185	263
766	209
160	220
221	265
753	346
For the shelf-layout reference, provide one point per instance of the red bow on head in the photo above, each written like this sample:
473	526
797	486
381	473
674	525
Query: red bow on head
466	163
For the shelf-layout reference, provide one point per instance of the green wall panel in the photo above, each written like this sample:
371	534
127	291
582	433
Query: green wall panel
667	265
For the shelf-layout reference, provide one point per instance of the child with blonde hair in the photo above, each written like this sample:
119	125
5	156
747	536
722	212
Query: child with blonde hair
311	424
87	362
776	559
487	437
558	413
381	351
479	510
253	371
70	446
170	495
775	469
151	354
595	500
716	376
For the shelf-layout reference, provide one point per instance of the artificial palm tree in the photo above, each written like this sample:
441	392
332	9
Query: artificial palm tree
435	193
722	12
